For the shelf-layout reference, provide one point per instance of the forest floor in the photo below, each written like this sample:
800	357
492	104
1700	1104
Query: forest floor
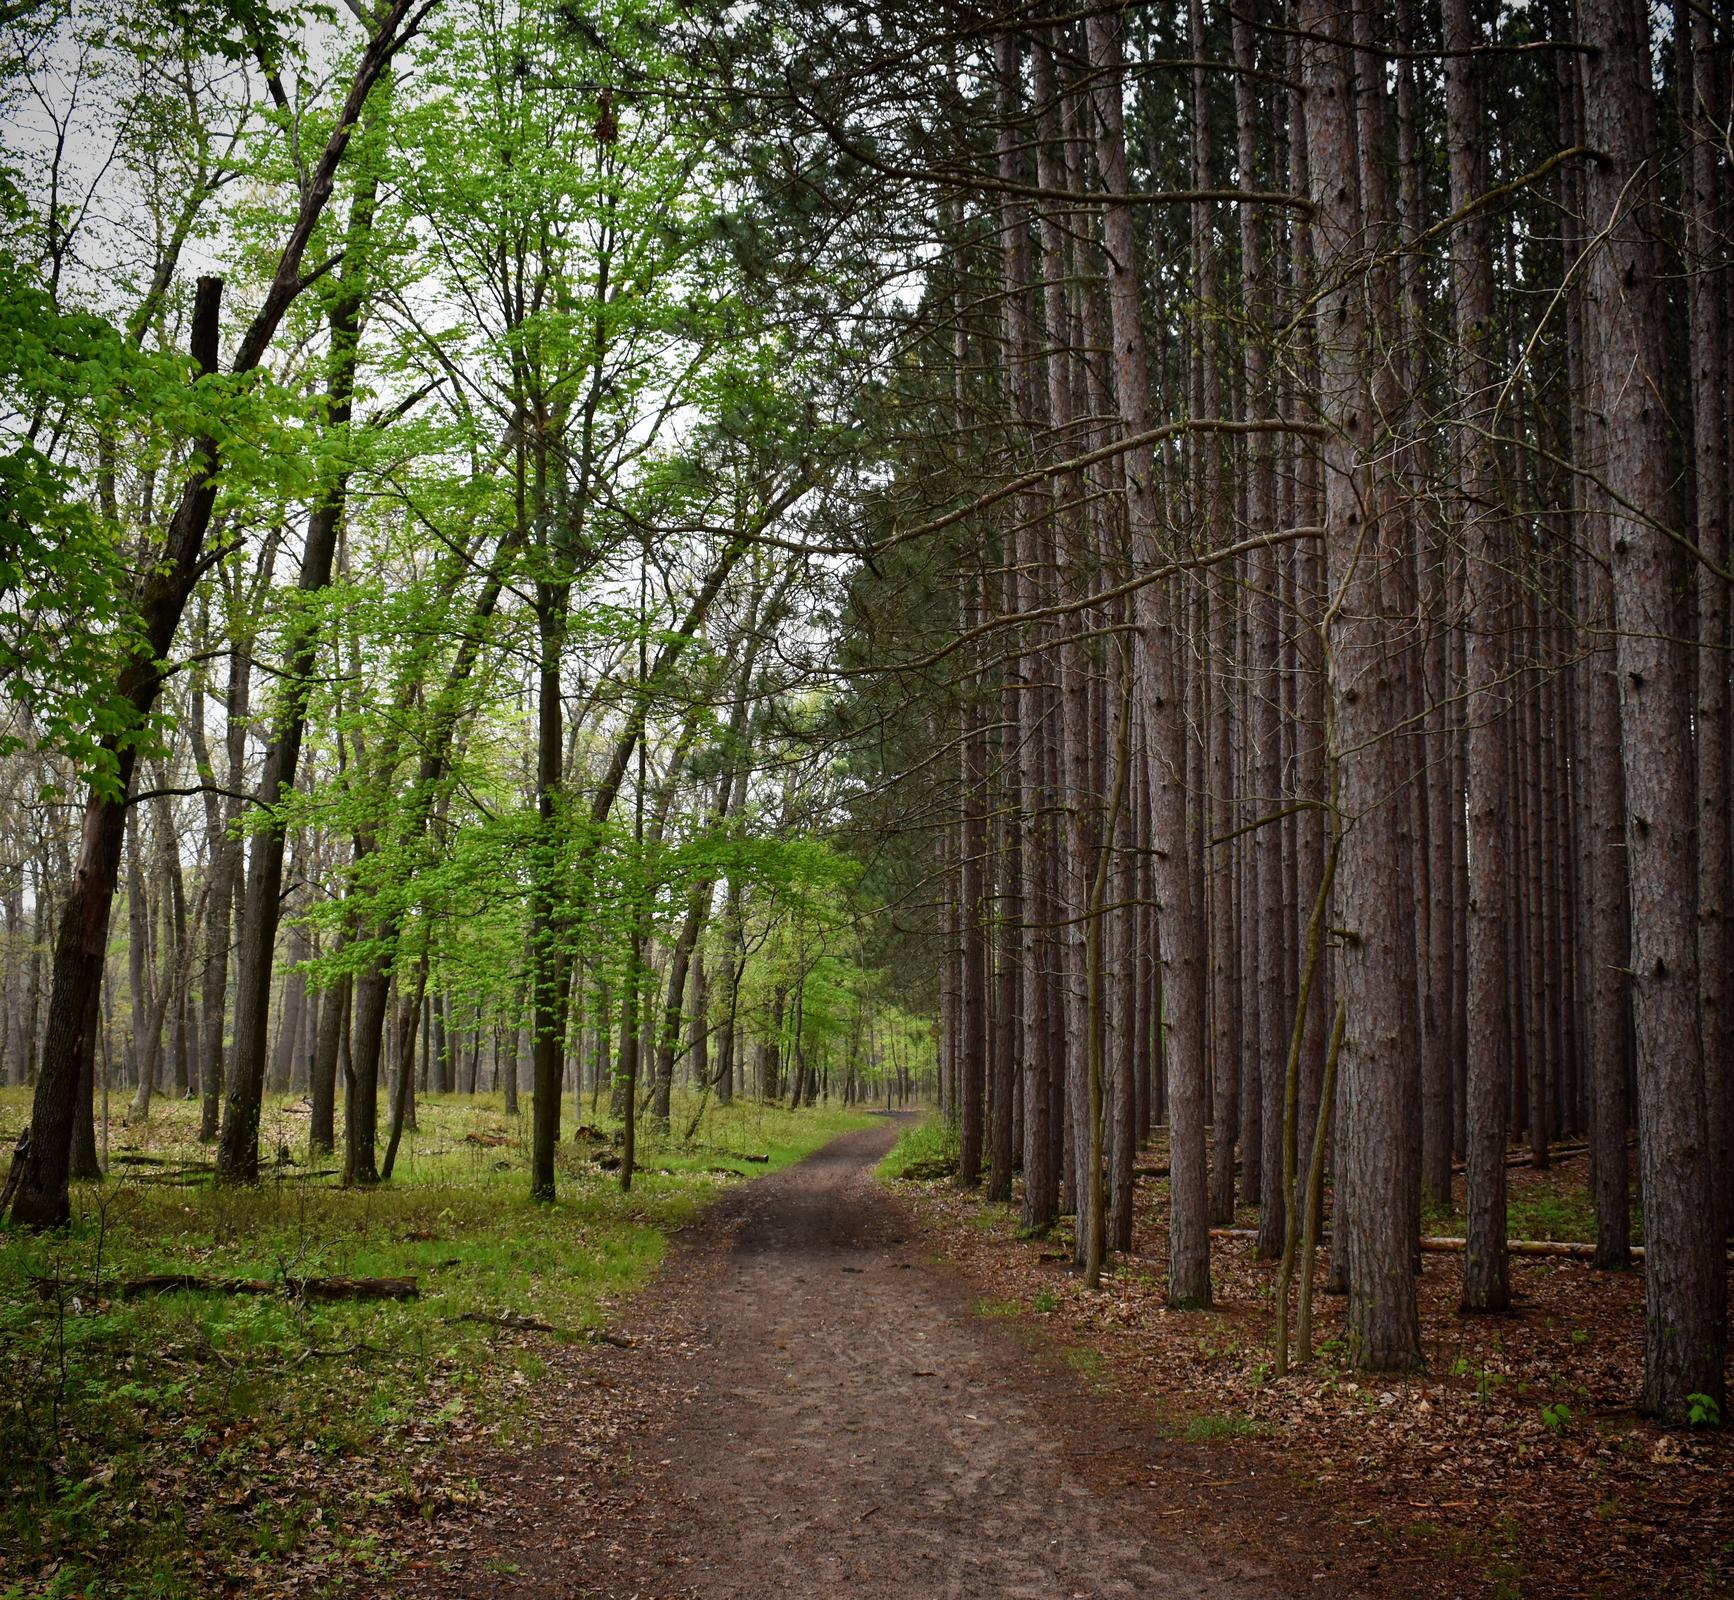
1515	1466
843	1385
839	1381
264	1444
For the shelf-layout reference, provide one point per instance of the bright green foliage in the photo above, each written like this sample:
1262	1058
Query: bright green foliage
63	586
926	1151
1703	1412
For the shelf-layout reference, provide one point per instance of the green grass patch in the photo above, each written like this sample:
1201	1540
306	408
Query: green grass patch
1537	1209
1089	1364
926	1151
1213	1425
1552	1214
170	1445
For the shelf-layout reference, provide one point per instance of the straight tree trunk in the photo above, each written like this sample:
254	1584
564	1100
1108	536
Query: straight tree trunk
1486	534
224	858
1706	259
1266	1019
1215	594
322	1085
1360	555
1161	703
1684	1269
144	1051
1040	1190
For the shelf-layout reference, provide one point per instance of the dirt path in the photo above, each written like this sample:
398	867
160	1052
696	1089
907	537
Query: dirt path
814	1410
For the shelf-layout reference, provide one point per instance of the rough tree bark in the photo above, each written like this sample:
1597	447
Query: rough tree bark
1684	1268
1484	534
1183	989
1362	663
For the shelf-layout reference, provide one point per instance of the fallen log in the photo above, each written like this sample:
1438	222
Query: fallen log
1569	1249
1526	1158
506	1319
352	1288
126	1158
598	1336
194	1176
1572	1249
1162	1172
291	1288
522	1324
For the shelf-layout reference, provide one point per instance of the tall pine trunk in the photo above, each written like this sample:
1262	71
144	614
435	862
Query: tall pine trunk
1162	705
1684	1268
1485	532
1364	680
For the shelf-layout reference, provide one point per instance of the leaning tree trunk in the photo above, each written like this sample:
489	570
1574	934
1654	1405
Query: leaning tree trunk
238	1143
80	945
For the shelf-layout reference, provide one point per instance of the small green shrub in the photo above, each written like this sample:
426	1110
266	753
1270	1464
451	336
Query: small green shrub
1702	1411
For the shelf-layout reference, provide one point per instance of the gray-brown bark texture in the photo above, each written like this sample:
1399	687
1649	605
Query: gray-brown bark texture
1361	554
1684	1268
1484	535
1183	987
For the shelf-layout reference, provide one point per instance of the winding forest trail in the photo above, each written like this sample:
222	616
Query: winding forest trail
813	1409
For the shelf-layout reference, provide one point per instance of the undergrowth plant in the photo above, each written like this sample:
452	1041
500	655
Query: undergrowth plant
924	1152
